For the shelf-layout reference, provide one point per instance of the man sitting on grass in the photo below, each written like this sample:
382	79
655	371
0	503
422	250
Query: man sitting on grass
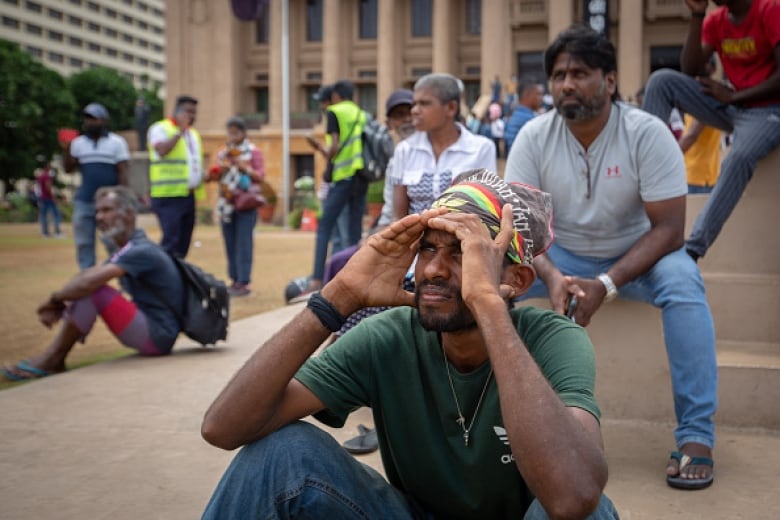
146	324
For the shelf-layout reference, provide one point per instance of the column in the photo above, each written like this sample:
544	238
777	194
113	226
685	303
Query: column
275	65
333	63
388	73
496	40
630	49
442	37
560	15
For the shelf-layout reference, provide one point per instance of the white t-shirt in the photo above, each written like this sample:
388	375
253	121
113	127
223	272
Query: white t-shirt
415	165
497	128
635	159
157	135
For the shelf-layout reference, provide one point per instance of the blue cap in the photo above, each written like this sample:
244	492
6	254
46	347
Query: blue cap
95	110
399	97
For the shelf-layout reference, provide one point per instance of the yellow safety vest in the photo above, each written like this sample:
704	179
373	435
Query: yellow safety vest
351	120
169	176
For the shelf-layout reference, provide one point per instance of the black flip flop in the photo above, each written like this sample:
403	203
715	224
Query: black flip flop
690	483
365	442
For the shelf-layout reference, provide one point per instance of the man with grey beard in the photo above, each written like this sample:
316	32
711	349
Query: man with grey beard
617	180
146	272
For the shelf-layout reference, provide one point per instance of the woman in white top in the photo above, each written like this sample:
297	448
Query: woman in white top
426	162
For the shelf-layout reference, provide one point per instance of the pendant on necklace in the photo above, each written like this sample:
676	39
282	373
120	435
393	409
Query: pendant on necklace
461	421
466	439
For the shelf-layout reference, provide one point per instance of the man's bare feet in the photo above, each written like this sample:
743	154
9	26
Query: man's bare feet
33	368
691	467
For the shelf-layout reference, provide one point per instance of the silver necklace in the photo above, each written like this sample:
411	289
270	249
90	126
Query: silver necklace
461	420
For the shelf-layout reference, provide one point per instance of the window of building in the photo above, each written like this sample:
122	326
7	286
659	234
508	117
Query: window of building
92	26
127	19
157	48
312	105
127	2
55	14
127	37
11	2
74	20
143	62
56	57
472	91
13	23
474	16
157	29
129	76
111	13
665	57
111	52
75	2
143	43
111	32
366	96
530	66
262	26
158	12
367	19
92	6
35	7
75	62
143	25
94	47
143	7
55	36
314	20
34	51
127	57
33	29
422	18
75	42
156	65
261	101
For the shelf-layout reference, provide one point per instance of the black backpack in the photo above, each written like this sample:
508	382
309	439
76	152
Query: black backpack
206	304
377	150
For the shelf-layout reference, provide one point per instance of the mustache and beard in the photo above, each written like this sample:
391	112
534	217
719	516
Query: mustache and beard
584	108
459	319
109	235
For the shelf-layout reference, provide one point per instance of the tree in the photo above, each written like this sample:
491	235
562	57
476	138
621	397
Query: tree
110	89
34	103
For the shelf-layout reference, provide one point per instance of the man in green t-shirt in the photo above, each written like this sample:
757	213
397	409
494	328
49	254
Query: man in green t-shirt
481	411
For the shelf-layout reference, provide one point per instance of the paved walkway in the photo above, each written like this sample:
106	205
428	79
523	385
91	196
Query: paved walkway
121	440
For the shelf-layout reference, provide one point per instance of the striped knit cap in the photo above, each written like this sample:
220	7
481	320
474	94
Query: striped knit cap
484	193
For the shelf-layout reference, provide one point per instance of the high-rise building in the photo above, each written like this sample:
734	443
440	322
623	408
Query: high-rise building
72	35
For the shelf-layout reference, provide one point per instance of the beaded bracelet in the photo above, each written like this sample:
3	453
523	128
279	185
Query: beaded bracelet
330	318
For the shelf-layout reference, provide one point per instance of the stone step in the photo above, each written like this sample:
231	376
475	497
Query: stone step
745	307
748	242
633	379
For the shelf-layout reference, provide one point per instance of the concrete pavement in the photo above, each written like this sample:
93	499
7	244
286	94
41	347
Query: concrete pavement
121	440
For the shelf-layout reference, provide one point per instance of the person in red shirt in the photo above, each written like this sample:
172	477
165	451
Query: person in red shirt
44	184
745	34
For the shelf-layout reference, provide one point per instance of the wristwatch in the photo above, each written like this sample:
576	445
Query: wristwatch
610	286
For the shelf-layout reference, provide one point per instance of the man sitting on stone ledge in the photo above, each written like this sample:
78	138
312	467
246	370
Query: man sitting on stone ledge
618	184
480	411
146	324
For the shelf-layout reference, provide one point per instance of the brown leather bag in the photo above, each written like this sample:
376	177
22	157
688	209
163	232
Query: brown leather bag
245	200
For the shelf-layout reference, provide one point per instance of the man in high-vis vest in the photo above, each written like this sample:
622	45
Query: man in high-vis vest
347	191
176	175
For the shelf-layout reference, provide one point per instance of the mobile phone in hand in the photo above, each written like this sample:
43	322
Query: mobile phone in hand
571	307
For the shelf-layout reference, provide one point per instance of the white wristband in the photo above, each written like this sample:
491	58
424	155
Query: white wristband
610	286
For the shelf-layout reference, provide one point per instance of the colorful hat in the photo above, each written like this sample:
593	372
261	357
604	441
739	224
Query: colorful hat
484	193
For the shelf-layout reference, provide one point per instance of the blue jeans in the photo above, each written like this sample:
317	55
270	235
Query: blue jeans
239	244
695	189
674	285
755	132
45	207
347	195
83	221
340	233
301	472
177	220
